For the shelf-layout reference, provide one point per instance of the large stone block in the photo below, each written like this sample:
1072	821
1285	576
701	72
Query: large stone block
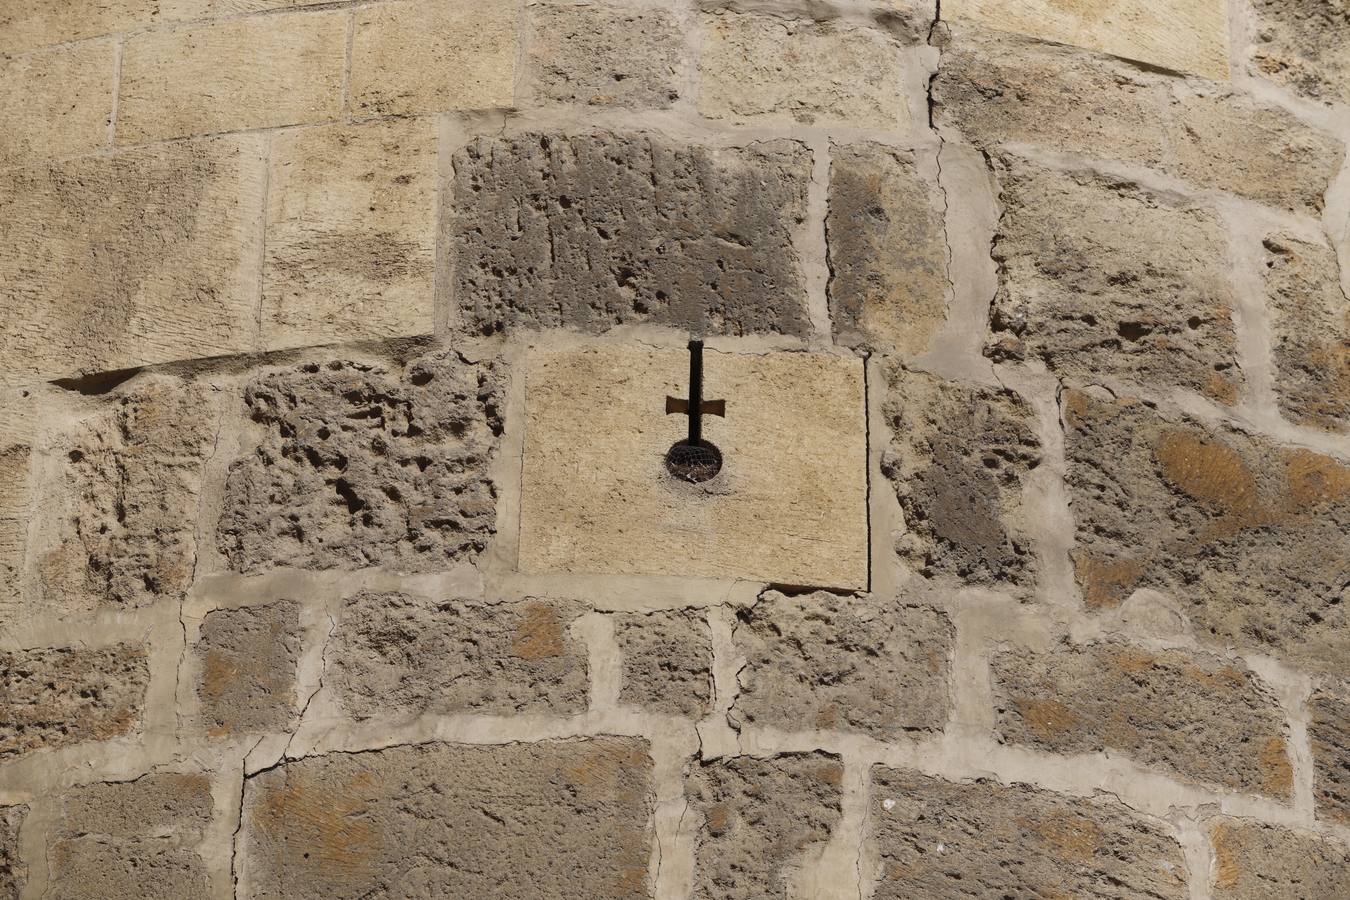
418	56
25	26
887	250
358	464
595	230
760	816
143	257
666	661
13	872
596	495
945	841
1250	538
59	697
844	664
1253	861
400	655
1104	277
255	72
1301	44
959	457
1205	718
56	102
546	821
1329	730
247	659
351	234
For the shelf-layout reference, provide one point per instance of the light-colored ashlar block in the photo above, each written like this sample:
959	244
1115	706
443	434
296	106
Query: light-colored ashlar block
29	24
56	102
788	505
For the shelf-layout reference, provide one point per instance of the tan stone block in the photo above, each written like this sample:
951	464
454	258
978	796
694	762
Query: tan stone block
412	56
178	10
1253	861
56	102
13	871
667	661
1191	36
246	660
1302	45
26	25
788	505
234	75
1329	732
17	411
766	68
351	234
143	257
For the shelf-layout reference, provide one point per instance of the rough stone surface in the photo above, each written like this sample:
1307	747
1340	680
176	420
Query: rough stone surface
1103	277
596	495
26	26
667	661
1312	332
542	821
887	250
605	55
142	257
247	660
945	841
769	69
595	230
958	460
13	872
1204	717
419	56
58	697
1251	539
17	408
256	72
1329	730
131	840
395	654
351	234
760	816
1259	862
1301	44
358	464
56	102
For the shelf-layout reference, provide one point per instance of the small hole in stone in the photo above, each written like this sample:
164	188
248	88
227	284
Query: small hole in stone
694	463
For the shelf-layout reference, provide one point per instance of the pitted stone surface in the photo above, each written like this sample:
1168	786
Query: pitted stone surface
760	817
247	658
590	231
958	460
945	841
819	660
547	821
666	661
1329	731
1260	862
605	55
360	464
13	872
1301	44
395	654
1250	538
1206	718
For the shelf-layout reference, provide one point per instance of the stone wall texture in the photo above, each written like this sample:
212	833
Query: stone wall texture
343	342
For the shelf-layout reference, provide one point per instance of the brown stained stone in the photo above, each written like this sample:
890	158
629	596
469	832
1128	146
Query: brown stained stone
666	661
247	660
1253	861
398	655
547	821
760	816
1249	537
944	841
1205	718
1329	731
13	872
59	697
822	661
1301	45
56	102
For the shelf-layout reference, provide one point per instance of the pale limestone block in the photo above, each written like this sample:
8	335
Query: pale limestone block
28	24
179	10
351	234
56	102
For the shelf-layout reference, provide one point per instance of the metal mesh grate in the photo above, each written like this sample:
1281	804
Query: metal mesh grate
694	462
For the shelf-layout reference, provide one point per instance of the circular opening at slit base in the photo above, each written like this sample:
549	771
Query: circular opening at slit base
695	463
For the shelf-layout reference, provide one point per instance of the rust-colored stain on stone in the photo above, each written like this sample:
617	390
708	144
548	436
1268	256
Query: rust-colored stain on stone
1211	473
1279	774
1047	718
1106	582
322	824
1227	869
540	634
1072	836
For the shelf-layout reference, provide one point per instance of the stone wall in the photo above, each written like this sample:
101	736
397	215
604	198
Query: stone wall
337	553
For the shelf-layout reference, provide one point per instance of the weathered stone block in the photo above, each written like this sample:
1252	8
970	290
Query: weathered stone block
358	464
131	840
605	55
351	234
544	821
1250	538
13	872
1312	332
760	68
596	495
944	841
1329	730
247	659
56	102
958	460
887	250
596	230
64	696
1206	718
16	435
255	72
1104	277
142	257
1259	862
1301	44
759	817
844	664
25	26
400	655
417	56
667	661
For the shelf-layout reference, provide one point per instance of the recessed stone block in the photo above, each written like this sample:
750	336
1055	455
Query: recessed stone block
666	661
1253	861
247	659
788	506
56	102
1329	730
